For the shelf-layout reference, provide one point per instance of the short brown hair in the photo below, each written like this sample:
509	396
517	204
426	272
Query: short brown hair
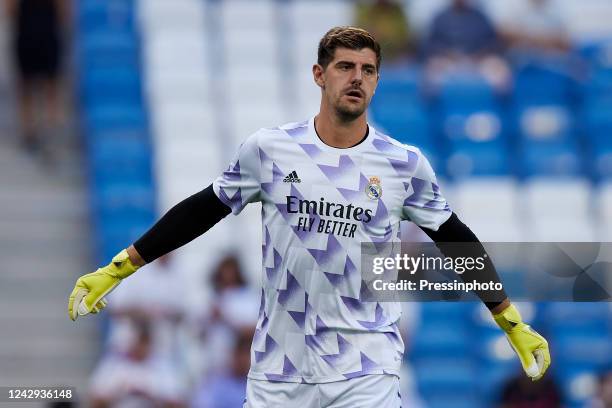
353	38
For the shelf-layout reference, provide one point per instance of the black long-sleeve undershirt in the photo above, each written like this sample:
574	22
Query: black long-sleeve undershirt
446	238
182	224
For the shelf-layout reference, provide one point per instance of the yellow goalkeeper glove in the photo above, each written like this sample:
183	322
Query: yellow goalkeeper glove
89	290
531	347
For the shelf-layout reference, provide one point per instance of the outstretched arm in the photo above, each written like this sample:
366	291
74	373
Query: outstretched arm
531	347
183	223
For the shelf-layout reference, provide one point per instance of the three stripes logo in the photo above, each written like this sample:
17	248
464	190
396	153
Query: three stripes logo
292	178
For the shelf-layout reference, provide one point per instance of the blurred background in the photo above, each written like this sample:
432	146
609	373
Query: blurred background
112	111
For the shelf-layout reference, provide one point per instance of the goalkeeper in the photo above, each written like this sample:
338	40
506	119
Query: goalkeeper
317	341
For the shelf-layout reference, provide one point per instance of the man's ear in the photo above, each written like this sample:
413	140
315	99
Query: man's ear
317	72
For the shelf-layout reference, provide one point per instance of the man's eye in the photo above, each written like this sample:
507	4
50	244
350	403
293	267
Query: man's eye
369	71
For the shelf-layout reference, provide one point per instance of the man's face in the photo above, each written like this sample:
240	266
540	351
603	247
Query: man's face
348	82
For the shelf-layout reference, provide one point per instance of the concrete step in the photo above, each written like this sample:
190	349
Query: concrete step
44	245
47	267
45	369
60	204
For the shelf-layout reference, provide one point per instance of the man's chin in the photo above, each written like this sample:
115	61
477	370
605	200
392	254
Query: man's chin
349	114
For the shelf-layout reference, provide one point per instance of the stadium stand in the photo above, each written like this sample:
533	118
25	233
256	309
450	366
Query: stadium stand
535	167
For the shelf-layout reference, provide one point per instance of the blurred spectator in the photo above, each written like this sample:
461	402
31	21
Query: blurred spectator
154	296
604	391
386	20
461	30
134	378
37	52
228	389
537	26
149	304
234	308
522	392
463	41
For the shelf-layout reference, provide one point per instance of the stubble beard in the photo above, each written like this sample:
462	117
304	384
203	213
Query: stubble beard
348	114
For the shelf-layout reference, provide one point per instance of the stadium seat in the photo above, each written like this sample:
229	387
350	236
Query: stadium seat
397	87
406	122
111	85
114	118
479	201
105	15
118	197
445	375
542	84
604	205
175	122
315	18
107	49
159	16
176	51
570	196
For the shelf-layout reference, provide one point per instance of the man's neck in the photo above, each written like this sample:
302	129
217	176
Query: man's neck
340	134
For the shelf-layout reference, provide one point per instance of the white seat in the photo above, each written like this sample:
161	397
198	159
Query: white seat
558	198
604	211
177	87
160	15
604	202
489	207
180	122
246	86
244	13
487	197
559	210
248	118
320	16
251	47
173	50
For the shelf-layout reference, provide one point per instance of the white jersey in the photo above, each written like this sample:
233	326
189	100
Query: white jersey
319	203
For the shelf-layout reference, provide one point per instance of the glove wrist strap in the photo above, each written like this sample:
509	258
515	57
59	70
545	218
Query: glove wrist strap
122	265
508	318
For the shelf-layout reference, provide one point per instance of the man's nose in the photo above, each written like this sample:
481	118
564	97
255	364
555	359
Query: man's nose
357	76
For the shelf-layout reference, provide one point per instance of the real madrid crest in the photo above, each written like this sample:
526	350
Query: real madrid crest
373	189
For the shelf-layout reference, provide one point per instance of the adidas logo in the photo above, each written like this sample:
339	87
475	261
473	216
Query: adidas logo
292	178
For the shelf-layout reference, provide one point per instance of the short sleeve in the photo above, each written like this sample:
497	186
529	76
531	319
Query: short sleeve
240	184
424	203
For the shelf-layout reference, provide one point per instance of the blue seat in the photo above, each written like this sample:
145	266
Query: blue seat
478	160
554	160
109	15
114	118
116	159
397	87
467	92
407	123
118	233
101	48
111	85
578	314
115	197
441	340
589	349
538	84
477	144
548	144
445	375
462	400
